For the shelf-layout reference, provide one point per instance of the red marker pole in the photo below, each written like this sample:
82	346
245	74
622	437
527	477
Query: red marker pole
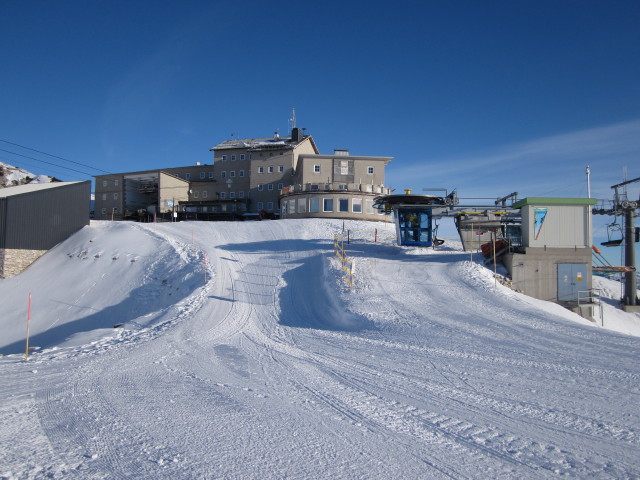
26	355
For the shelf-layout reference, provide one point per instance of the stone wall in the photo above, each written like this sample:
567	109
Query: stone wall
14	261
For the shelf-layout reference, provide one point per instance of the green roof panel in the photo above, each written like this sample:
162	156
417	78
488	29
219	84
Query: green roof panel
554	201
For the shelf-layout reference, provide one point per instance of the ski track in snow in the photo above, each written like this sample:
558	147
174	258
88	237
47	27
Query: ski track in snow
274	369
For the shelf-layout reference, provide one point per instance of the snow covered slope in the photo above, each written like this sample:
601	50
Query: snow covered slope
271	368
11	176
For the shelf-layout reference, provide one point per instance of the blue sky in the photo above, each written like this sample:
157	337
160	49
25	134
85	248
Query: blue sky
488	97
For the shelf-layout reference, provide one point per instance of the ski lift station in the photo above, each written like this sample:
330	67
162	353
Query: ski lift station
544	243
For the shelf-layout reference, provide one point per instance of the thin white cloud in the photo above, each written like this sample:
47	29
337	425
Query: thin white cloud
537	167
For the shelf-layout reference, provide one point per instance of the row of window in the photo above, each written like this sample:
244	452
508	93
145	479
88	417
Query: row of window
271	169
269	187
232	173
317	205
224	158
222	195
233	157
269	206
370	170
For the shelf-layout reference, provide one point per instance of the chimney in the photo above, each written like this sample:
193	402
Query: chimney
296	134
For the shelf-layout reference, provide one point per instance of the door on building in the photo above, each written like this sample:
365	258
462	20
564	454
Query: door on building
572	278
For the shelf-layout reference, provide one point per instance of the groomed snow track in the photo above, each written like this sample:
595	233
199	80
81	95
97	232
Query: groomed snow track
273	369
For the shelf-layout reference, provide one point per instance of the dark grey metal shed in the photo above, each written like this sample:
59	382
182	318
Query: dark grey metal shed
36	217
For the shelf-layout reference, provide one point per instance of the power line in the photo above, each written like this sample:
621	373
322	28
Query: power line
54	156
24	164
43	161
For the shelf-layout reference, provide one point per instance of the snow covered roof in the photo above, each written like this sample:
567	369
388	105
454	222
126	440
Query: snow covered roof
258	143
31	187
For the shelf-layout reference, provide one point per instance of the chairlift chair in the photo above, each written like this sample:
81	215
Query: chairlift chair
614	235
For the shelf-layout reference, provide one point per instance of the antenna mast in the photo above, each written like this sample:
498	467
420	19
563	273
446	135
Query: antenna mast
293	118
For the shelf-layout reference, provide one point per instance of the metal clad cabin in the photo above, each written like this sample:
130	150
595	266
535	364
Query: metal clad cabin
36	217
554	262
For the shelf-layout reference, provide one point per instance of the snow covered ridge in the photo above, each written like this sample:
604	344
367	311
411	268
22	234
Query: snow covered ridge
238	352
11	176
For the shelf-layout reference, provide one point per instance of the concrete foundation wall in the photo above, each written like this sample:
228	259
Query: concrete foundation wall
535	273
14	261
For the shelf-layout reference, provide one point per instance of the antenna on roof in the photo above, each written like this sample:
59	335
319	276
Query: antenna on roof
293	118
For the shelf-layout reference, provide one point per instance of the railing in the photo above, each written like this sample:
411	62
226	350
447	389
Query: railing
336	187
592	298
347	263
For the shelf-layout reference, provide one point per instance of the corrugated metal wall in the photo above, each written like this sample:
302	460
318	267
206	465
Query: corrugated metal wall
562	226
39	220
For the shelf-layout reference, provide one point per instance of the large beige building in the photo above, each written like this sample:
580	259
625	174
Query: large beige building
335	186
249	177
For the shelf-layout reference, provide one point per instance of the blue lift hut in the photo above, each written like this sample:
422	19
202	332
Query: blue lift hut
414	216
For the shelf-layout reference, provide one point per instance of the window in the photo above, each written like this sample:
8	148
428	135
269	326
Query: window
260	169
104	211
233	158
210	174
223	195
260	187
270	169
270	206
281	168
260	205
368	205
270	187
371	170
205	194
115	183
356	205
115	209
280	186
241	173
314	205
232	195
196	194
223	174
242	156
302	205
115	196
224	158
316	169
327	205
343	204
104	183
104	196
232	173
203	175
240	194
314	187
187	176
342	187
291	206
